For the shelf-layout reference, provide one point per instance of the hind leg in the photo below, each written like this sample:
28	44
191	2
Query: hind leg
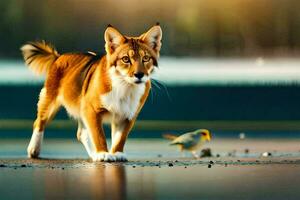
83	137
47	108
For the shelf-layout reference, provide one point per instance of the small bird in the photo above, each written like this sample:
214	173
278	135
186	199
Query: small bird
190	141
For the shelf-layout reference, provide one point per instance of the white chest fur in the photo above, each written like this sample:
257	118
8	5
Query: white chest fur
124	99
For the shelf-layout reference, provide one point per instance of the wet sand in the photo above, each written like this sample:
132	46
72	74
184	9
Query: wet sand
155	171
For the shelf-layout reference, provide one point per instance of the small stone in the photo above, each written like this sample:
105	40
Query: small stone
133	166
246	151
63	168
170	165
206	153
266	154
239	160
209	166
211	162
176	160
185	166
23	165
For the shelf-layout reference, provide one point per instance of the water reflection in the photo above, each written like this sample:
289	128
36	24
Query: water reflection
97	182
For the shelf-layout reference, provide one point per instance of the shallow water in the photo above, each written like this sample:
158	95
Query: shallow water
277	181
67	173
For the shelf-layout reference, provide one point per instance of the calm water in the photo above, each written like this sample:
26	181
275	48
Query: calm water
191	71
79	179
118	182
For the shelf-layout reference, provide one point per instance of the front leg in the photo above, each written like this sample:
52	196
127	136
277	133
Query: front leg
119	132
94	133
121	128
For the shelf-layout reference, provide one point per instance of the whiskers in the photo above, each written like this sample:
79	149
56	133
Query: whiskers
161	88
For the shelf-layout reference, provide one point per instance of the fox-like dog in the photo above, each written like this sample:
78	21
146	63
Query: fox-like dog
95	89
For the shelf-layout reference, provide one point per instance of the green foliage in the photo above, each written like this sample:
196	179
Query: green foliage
195	28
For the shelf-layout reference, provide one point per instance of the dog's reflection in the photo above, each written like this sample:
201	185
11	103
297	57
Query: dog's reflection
106	181
111	184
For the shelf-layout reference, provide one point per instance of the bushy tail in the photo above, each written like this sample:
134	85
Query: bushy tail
169	136
39	56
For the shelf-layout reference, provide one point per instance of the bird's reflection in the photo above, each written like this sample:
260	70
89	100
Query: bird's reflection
93	182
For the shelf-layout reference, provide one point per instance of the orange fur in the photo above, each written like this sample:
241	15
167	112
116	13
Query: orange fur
90	88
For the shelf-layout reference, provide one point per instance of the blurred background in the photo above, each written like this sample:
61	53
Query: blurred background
230	66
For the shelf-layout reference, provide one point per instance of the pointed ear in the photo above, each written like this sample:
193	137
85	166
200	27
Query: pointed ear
153	38
113	39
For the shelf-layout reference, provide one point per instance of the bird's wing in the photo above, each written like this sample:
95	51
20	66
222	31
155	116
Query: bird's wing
169	136
183	139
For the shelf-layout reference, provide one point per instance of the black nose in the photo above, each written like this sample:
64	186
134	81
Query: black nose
139	75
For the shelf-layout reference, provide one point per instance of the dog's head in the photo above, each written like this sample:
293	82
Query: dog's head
133	58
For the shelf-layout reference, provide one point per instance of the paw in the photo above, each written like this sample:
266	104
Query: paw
120	156
33	151
34	147
103	157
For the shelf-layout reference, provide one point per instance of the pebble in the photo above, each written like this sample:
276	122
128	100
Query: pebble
170	165
205	153
266	154
246	151
133	166
211	162
209	166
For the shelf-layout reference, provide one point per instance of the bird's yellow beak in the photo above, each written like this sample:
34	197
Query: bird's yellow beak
206	134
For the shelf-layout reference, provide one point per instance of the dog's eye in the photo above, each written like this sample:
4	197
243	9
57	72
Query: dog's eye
125	59
146	58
